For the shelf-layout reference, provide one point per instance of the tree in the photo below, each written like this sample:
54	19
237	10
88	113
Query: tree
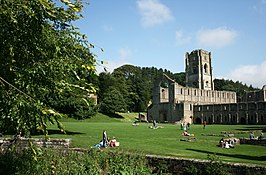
113	102
45	64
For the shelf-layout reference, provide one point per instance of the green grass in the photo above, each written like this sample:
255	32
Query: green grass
163	141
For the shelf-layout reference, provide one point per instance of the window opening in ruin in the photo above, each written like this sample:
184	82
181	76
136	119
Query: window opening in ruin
205	68
163	93
195	92
181	91
188	91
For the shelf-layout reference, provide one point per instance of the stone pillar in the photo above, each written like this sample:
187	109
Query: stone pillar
256	118
247	118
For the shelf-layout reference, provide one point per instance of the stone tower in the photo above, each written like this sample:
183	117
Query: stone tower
199	70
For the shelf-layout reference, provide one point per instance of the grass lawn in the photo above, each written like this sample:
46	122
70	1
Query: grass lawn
162	141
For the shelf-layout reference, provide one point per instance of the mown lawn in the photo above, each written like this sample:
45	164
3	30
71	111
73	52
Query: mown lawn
163	141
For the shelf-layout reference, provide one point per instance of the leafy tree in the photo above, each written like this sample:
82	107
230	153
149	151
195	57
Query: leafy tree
113	102
45	64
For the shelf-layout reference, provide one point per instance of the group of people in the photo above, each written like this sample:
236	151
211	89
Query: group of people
106	141
185	126
252	136
226	143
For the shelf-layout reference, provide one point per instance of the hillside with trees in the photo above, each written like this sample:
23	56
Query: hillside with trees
133	85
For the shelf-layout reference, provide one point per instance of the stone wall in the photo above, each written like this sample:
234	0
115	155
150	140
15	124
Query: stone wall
178	166
261	142
23	143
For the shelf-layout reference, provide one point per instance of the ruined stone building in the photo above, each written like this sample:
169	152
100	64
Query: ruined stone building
198	101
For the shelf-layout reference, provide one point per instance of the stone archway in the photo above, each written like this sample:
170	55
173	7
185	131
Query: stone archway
198	120
243	120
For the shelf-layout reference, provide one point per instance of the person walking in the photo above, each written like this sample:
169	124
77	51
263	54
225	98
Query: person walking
188	126
204	124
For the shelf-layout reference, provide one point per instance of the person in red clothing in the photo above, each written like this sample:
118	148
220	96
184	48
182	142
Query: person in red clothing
204	124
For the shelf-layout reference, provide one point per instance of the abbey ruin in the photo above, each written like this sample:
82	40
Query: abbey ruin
198	101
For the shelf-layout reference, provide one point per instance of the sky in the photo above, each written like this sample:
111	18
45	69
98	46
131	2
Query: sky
158	33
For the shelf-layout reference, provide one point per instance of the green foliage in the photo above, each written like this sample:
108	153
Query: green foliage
71	162
113	102
45	64
134	83
230	85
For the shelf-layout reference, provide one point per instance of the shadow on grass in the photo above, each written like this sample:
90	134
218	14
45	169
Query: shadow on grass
55	131
252	128
257	158
115	116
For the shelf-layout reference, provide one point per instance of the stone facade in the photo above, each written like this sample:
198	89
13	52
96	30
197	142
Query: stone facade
198	101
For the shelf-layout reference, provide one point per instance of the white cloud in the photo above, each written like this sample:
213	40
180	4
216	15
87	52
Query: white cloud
250	74
180	39
216	38
153	12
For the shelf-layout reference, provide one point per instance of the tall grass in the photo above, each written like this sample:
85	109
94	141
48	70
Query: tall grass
91	162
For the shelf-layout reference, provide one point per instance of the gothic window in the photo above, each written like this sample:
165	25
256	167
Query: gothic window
163	93
195	92
205	68
181	91
188	91
207	84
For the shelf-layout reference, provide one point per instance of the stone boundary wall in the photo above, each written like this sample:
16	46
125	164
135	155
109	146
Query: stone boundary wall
171	164
178	165
261	142
23	143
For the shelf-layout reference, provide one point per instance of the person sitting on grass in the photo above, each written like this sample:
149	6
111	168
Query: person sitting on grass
261	136
114	142
221	143
251	136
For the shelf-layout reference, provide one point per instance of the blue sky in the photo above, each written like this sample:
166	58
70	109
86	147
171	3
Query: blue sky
158	33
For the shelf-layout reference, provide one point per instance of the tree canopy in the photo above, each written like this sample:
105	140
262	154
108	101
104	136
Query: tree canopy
46	66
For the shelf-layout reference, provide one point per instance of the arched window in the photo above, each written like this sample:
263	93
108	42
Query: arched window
205	68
